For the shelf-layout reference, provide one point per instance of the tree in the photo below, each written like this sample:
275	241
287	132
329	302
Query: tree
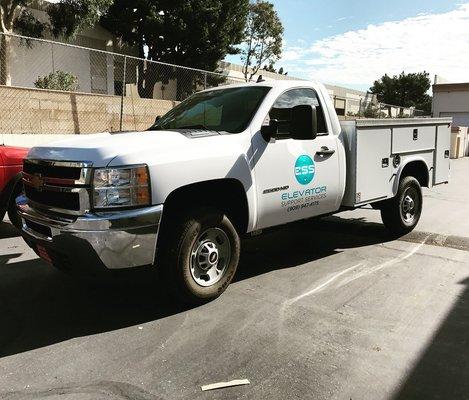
282	72
193	33
270	68
406	90
262	38
67	17
373	111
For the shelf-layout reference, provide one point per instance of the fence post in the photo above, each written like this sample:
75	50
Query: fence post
205	80
52	55
123	94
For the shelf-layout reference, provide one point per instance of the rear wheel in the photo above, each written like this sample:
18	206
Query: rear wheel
402	213
200	255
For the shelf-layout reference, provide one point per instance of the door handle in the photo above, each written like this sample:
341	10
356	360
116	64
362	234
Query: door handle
325	151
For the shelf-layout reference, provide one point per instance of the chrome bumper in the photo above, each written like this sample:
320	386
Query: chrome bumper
118	239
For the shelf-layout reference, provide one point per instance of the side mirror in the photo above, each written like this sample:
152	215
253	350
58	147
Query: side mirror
269	131
304	122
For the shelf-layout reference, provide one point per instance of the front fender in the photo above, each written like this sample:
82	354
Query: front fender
167	178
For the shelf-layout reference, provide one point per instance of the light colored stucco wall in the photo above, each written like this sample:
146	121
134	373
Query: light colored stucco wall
452	100
29	63
33	59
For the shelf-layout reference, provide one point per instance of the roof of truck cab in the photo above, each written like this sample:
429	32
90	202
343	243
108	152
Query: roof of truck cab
284	84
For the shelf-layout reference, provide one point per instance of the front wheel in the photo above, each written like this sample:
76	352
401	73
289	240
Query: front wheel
200	255
401	214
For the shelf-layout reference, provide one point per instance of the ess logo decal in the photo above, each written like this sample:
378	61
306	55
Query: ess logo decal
304	169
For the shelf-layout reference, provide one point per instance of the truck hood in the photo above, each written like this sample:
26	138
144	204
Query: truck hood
119	148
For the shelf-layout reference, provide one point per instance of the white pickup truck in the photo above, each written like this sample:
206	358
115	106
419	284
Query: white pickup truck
227	161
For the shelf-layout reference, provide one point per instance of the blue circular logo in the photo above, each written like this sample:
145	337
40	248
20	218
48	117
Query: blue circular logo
304	169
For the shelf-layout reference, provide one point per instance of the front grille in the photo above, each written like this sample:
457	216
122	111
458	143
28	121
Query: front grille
58	186
52	171
64	200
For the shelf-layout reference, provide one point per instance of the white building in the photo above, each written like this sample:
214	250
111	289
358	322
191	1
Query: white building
94	70
451	100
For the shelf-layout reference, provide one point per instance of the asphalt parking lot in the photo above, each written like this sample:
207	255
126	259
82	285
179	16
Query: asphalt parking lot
328	309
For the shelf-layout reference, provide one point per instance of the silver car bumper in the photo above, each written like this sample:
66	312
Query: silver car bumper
114	240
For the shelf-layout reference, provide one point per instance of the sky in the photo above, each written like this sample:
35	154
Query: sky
352	43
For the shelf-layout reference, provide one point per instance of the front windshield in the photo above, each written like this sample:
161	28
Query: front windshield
223	110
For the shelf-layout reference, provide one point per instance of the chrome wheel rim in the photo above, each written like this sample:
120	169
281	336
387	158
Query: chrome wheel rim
210	256
410	205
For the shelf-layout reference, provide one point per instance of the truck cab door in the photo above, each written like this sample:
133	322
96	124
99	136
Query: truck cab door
296	178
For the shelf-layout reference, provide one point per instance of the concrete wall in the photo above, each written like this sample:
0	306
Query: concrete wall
28	140
36	111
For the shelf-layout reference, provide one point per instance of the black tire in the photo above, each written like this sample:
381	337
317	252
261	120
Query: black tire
13	215
401	214
184	245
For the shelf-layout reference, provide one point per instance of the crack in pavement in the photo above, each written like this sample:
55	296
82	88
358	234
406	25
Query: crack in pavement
368	229
103	389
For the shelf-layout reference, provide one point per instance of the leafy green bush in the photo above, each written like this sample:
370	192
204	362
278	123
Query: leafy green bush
58	80
403	115
373	111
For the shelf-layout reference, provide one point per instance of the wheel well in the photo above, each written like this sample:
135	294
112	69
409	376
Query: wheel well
417	169
8	190
227	195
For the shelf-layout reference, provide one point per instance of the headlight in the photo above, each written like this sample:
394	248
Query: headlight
121	187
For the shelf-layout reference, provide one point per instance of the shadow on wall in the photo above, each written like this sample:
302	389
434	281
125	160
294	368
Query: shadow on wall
73	103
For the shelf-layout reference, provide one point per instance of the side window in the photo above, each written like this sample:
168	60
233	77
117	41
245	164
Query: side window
282	109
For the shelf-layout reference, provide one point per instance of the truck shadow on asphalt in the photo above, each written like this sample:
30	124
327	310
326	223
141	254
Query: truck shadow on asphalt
305	241
7	231
40	306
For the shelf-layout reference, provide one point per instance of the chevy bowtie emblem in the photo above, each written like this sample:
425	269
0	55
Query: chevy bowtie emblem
37	182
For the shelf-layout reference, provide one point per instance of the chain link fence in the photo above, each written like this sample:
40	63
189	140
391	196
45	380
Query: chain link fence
53	87
368	107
